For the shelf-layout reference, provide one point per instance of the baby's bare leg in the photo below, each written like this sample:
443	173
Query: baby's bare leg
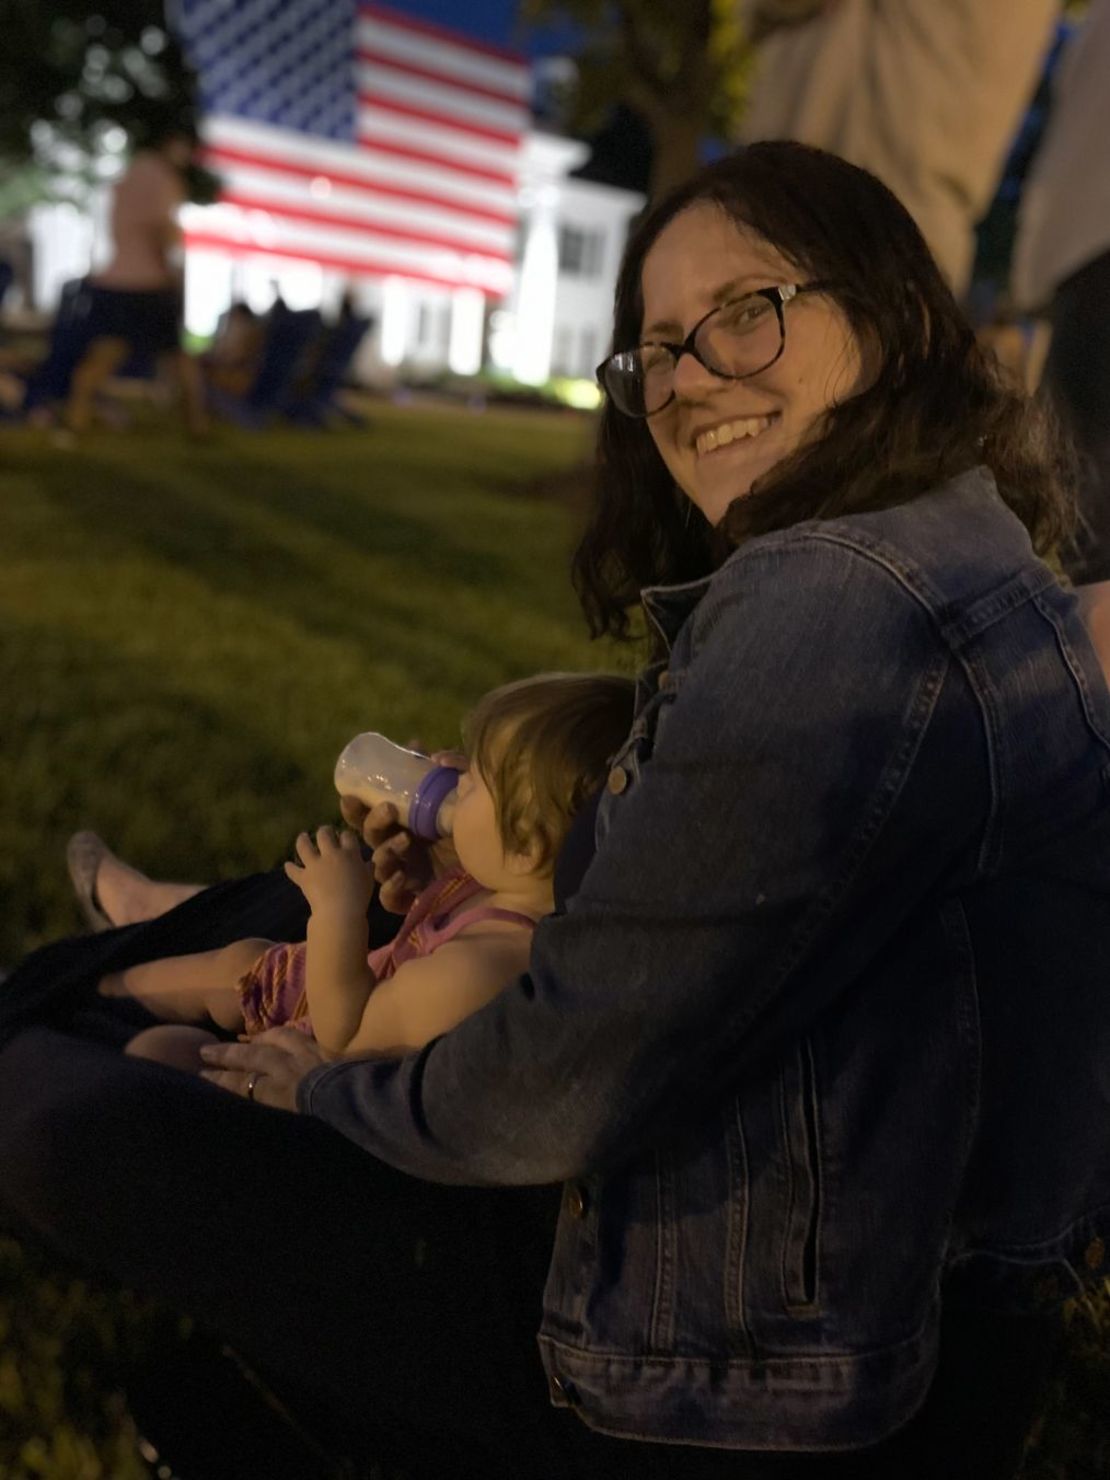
190	989
172	1043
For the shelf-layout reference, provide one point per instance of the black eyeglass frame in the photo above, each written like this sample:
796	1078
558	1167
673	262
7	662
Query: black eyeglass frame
778	297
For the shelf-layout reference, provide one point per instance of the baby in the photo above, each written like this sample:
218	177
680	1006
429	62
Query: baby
537	750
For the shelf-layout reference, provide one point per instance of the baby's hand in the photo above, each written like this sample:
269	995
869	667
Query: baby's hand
332	873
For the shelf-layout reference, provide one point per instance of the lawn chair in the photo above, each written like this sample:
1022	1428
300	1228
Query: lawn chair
69	338
313	403
290	334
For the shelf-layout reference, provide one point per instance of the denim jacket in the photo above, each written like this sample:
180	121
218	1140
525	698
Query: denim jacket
824	1036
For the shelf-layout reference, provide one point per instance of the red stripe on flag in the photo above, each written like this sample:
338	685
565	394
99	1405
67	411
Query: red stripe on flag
386	145
245	201
441	120
441	33
217	153
357	267
428	74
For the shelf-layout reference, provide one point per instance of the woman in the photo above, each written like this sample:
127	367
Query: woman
815	1043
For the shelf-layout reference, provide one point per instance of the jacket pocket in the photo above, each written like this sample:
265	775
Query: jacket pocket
801	1132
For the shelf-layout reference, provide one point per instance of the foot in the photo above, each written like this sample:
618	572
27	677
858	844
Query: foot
111	892
85	854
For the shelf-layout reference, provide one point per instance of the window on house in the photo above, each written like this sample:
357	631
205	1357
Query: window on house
581	251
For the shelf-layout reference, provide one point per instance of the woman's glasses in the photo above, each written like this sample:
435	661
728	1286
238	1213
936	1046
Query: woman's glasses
734	341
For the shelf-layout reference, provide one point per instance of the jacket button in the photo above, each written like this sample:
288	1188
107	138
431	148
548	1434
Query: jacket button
1096	1253
618	780
574	1200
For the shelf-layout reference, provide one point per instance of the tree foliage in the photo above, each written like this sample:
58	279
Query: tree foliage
682	66
71	72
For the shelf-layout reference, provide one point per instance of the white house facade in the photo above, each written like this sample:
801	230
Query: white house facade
553	322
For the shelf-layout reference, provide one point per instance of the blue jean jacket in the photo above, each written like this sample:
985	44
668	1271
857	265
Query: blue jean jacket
824	1037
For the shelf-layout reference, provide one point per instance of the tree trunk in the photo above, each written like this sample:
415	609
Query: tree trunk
675	140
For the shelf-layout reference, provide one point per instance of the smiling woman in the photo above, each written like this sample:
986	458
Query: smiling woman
721	430
867	389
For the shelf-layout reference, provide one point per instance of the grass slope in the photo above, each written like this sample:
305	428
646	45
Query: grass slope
189	635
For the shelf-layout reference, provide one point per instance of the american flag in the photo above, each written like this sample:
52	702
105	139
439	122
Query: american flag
358	138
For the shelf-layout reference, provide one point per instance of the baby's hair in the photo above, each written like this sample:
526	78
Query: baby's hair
542	746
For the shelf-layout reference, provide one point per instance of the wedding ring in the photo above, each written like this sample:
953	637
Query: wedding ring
251	1082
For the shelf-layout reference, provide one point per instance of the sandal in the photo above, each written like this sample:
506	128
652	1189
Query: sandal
84	854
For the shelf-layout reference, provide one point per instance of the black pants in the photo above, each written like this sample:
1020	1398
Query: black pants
1077	377
369	1299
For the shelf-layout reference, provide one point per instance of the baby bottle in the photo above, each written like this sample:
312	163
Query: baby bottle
375	770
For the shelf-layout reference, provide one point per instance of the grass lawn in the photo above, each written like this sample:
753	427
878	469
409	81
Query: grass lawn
188	636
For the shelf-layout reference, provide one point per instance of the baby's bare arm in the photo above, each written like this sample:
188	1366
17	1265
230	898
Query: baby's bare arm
432	994
337	883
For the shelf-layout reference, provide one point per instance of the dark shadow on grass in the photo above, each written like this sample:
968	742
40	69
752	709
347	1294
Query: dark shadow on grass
211	529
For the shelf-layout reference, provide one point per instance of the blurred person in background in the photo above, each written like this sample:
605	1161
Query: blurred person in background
1062	268
137	301
926	94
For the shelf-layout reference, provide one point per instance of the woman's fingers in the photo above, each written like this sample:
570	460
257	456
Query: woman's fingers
453	758
305	848
397	894
380	823
387	858
267	1070
354	812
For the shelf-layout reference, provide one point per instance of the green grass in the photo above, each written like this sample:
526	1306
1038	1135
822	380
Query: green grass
189	635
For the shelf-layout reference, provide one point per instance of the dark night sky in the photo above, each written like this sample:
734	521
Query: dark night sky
485	20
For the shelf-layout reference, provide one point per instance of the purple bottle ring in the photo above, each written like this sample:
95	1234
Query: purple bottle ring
427	800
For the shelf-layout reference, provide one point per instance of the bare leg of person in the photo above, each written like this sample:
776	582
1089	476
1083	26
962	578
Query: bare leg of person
103	357
127	896
189	989
191	382
175	1044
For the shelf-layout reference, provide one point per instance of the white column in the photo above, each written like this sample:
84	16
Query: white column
61	238
534	325
464	350
207	291
395	321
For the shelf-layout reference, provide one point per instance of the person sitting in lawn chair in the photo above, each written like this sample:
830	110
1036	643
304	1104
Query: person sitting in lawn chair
290	338
230	363
314	400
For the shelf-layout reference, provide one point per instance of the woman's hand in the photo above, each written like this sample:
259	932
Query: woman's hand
268	1069
332	873
403	864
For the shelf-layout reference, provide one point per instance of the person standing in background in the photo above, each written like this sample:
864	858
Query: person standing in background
926	94
1062	268
136	303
